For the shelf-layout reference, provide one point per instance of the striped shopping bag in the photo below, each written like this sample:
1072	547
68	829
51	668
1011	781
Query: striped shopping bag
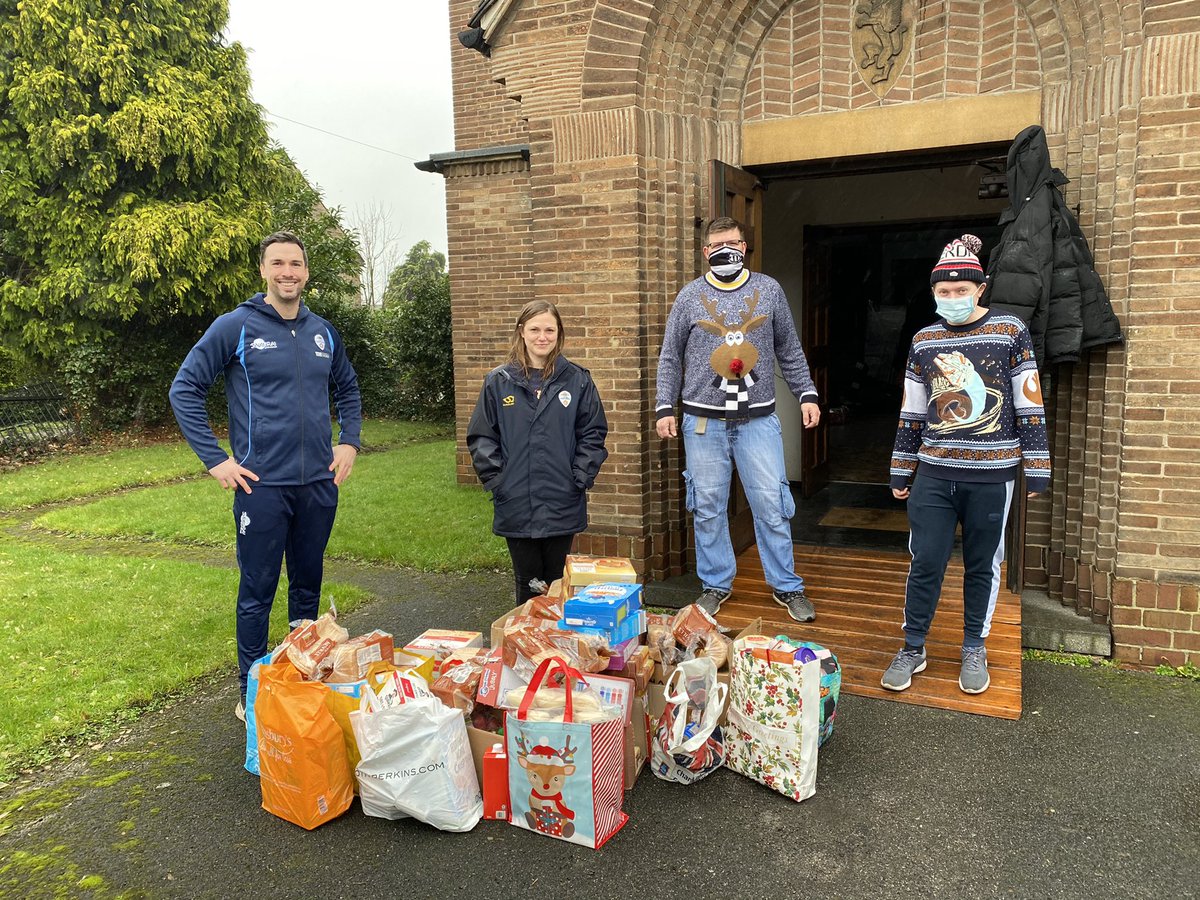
566	779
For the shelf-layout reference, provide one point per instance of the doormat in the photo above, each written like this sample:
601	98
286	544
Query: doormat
872	519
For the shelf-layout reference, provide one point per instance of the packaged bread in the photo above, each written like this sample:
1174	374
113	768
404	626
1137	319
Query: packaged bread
550	704
441	642
639	669
351	660
458	680
691	626
717	648
545	607
659	637
309	646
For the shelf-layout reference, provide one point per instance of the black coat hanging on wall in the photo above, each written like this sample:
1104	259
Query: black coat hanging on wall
1042	269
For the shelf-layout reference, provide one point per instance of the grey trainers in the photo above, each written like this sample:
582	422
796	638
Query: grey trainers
973	677
240	711
799	607
906	664
710	601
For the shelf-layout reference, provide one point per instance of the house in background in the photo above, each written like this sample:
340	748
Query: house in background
855	138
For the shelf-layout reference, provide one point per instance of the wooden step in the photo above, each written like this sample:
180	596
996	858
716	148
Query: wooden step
859	597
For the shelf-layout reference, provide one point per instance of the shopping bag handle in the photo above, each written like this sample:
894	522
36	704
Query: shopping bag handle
553	664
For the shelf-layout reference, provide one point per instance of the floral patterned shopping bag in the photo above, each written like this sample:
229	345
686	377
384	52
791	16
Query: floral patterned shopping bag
774	716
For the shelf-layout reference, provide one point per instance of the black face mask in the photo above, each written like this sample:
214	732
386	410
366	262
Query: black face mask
726	263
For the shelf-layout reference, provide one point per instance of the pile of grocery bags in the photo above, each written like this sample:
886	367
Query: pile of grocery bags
547	728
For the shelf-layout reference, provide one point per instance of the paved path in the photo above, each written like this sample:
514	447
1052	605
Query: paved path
1095	792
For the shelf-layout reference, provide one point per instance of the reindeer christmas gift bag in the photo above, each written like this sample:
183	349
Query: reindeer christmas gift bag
565	776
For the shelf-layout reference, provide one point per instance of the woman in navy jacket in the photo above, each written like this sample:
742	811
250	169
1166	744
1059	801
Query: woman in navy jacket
537	442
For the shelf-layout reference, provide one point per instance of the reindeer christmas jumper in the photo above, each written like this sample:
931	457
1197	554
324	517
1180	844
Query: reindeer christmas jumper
720	348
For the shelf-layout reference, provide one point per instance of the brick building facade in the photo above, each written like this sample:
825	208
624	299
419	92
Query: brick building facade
582	169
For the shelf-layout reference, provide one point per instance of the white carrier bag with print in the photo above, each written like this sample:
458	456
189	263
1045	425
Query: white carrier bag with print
416	761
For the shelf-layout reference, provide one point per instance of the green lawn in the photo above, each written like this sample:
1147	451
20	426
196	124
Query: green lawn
90	636
87	636
401	507
89	474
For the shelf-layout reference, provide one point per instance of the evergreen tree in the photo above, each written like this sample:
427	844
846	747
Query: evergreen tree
416	307
135	171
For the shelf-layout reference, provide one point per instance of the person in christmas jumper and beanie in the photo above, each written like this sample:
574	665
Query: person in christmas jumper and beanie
536	440
280	361
972	411
725	332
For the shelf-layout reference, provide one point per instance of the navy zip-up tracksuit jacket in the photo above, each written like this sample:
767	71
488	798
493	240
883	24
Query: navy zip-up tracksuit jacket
278	375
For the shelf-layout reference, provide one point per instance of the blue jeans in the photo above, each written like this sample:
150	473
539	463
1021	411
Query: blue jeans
755	446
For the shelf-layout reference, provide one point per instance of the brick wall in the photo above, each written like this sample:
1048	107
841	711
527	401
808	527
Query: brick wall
623	102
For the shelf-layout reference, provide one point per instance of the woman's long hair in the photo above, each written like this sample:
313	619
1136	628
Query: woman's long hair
517	353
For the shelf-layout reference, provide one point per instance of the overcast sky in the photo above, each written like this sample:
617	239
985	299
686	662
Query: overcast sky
372	71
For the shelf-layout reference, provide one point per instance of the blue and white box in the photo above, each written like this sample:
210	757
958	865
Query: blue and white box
602	605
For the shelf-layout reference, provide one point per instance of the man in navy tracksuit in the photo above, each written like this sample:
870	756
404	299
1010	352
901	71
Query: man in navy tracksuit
279	360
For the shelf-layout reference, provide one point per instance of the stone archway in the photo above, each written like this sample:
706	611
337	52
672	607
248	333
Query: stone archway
680	72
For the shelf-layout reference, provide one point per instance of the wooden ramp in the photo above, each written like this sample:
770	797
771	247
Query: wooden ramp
859	598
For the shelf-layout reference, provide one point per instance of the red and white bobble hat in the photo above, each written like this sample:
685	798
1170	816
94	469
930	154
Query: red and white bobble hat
545	755
960	261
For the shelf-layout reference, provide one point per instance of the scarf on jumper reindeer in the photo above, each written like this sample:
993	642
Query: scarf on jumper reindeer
734	359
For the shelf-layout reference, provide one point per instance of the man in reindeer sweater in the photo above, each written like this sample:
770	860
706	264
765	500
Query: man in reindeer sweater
972	412
724	335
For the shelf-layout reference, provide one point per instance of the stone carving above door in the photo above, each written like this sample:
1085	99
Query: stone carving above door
881	40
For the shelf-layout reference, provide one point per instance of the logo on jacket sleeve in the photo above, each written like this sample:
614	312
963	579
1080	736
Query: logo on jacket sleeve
509	400
564	397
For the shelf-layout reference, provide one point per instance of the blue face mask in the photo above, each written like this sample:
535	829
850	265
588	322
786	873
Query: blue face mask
955	310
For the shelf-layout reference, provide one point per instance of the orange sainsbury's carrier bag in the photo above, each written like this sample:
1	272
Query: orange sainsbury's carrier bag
305	774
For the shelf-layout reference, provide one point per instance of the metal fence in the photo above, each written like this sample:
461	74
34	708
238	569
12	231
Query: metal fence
33	417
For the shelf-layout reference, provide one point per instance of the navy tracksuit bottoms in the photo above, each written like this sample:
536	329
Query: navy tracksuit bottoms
272	523
935	508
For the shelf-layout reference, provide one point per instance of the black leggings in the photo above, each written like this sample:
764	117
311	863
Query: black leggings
537	558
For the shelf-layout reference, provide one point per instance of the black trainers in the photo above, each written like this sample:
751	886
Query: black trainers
710	601
799	607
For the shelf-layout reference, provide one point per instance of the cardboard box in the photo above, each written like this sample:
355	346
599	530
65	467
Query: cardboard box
637	742
630	629
505	618
440	642
602	605
584	570
494	783
481	742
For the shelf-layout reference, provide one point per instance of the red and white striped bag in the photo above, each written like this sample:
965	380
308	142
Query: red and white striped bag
566	779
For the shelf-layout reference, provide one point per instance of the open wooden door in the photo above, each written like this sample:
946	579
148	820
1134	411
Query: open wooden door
815	338
738	193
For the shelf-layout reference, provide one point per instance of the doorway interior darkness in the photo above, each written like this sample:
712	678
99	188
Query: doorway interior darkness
877	233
